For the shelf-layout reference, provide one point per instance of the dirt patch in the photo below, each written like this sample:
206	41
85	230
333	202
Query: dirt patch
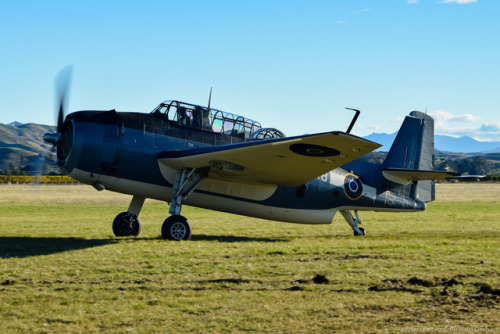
442	292
421	282
356	257
487	289
343	258
318	279
400	288
229	280
436	282
8	282
401	285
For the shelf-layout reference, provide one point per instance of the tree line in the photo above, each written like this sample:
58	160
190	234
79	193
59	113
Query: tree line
46	179
488	165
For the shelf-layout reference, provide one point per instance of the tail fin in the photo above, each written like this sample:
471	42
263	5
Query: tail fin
413	149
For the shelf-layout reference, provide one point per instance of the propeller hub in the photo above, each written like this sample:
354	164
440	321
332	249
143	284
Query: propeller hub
52	138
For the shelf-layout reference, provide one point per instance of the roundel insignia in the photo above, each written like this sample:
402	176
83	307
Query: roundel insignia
311	150
353	187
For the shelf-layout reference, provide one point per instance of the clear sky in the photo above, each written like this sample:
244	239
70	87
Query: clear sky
292	65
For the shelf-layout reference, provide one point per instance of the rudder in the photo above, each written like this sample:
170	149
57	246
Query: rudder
413	149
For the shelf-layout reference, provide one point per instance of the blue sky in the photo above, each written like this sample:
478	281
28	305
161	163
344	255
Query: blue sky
293	65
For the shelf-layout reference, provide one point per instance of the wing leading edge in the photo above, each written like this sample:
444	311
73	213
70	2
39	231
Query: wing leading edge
290	161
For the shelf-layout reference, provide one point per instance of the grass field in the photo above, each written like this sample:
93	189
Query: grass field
62	270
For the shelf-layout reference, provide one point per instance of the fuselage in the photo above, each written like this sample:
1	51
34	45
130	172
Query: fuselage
118	151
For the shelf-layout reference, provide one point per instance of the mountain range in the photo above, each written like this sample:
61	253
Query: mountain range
22	147
445	144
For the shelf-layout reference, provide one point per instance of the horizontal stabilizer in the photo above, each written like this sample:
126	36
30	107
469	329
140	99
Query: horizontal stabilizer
407	176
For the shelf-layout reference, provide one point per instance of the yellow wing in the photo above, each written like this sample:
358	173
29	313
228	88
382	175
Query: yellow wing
289	161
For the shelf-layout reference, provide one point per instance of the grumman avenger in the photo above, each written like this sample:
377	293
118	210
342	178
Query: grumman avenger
183	153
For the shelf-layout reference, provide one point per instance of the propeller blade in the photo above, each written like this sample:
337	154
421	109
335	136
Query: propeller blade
62	83
60	117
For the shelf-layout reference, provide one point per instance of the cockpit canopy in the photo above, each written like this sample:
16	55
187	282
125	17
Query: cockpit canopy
212	120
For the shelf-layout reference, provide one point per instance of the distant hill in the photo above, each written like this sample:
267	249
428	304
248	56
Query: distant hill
443	144
22	148
383	139
465	145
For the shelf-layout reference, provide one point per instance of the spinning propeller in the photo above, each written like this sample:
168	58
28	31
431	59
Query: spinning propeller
62	136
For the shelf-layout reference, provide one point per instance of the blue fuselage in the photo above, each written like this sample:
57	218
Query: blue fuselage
119	152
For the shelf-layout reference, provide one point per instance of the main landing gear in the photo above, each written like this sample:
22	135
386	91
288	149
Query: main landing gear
127	224
175	227
354	222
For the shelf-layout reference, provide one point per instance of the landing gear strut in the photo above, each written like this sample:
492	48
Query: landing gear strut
354	222
177	227
127	224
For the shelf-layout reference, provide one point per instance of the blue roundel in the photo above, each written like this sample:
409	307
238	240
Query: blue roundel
353	187
311	150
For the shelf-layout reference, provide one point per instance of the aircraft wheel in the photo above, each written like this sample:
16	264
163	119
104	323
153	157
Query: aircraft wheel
126	224
176	228
357	234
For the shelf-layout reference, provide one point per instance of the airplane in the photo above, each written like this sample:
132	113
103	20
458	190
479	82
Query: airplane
183	153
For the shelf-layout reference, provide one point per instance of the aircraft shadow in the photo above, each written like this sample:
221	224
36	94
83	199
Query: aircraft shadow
231	238
11	247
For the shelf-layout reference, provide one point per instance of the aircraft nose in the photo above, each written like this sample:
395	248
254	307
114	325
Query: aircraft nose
62	140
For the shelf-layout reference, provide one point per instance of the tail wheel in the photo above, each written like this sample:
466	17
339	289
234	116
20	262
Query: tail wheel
176	228
361	232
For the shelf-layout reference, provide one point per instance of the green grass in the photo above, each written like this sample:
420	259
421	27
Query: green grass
61	270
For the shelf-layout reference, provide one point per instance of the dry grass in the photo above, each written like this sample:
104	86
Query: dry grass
61	270
58	194
468	192
84	194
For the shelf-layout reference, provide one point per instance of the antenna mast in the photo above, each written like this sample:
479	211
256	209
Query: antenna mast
210	99
353	120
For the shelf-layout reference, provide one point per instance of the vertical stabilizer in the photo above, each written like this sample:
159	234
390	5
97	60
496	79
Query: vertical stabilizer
413	149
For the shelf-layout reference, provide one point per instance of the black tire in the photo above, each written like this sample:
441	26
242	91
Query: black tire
126	224
362	234
176	228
